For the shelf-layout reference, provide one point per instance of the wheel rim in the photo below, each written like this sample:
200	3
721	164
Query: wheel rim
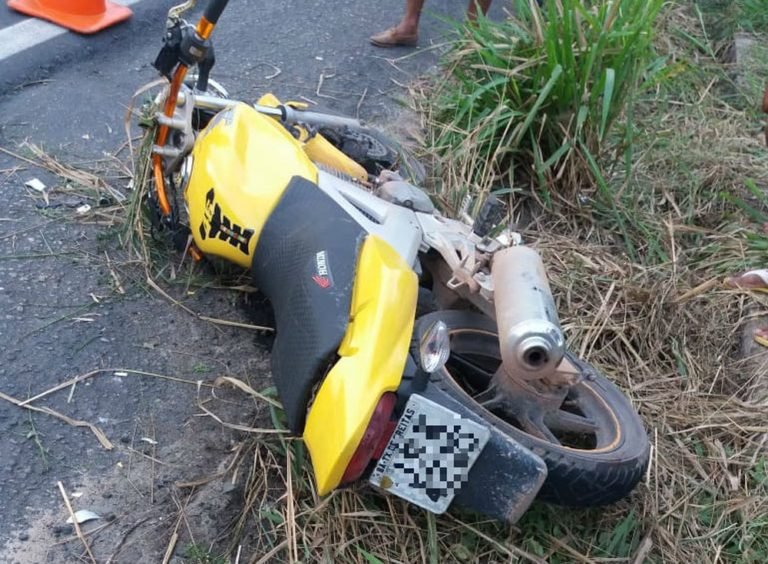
583	422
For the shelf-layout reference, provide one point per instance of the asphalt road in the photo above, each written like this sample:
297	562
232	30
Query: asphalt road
67	307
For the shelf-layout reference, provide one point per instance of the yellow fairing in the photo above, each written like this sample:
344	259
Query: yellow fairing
242	163
320	150
373	356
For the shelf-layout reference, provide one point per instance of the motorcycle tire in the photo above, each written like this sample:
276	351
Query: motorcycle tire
578	476
375	151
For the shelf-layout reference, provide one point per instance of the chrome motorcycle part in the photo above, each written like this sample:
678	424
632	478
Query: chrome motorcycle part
166	151
173	123
456	245
294	115
532	343
182	138
185	172
405	194
284	112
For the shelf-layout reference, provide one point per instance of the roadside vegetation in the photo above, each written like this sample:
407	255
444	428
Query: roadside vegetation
639	168
630	150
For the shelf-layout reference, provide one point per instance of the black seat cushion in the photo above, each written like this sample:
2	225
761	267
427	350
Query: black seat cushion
305	263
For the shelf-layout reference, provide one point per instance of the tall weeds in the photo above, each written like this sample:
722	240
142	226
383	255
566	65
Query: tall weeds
533	101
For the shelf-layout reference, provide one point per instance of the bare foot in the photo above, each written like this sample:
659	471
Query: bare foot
752	280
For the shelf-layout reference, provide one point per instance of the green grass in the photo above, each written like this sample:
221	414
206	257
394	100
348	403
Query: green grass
675	199
726	17
36	437
199	554
536	99
752	15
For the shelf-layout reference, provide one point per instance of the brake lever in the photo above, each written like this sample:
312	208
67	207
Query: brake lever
174	14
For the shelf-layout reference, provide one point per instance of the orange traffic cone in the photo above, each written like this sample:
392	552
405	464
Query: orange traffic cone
84	16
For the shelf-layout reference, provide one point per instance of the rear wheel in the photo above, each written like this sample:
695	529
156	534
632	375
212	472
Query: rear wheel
594	445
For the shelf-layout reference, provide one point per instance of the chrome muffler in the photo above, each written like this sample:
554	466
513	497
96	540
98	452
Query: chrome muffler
530	337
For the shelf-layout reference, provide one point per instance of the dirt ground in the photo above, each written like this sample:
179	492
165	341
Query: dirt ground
76	309
73	304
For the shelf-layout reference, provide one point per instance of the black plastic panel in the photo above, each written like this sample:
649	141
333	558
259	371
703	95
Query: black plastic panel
305	263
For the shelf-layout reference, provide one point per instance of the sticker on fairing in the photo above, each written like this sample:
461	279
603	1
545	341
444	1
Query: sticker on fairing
322	272
216	224
430	454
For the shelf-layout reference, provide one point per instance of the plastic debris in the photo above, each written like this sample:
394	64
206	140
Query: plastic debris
35	184
148	440
83	516
85	208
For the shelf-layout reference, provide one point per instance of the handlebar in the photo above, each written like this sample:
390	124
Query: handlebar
204	29
214	9
284	113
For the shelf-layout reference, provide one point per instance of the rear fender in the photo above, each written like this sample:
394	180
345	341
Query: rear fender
372	359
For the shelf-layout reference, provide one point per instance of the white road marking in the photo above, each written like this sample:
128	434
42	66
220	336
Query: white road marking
29	33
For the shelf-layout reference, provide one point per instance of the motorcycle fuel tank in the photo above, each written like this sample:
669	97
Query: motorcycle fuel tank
240	167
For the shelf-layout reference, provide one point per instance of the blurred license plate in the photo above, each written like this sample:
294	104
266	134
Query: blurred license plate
429	455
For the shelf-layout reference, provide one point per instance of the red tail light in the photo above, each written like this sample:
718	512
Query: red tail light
379	429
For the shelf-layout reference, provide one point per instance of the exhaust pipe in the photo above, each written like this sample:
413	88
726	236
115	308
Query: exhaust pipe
530	337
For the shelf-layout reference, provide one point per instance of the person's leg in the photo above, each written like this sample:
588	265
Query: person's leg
474	5
409	25
404	33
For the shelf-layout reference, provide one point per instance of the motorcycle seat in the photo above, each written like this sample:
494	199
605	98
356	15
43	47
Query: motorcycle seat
305	262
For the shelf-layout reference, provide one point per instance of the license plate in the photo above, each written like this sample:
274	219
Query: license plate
429	455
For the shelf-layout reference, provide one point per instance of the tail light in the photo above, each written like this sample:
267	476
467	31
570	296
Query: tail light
375	438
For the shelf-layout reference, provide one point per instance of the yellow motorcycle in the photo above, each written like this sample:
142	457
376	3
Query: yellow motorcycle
419	352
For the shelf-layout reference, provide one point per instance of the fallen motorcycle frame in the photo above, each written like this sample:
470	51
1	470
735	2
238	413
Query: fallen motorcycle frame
365	382
495	476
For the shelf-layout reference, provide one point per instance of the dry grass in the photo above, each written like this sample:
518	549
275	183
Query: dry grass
641	297
89	183
705	498
677	359
643	300
285	521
